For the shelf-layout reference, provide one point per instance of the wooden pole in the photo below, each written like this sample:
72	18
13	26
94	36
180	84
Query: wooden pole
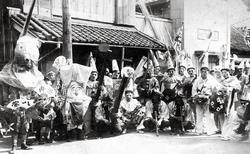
67	30
123	56
27	22
116	12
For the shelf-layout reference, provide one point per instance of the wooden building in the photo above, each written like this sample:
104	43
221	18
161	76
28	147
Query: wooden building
239	44
93	22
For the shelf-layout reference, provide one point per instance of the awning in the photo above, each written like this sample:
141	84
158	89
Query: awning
87	33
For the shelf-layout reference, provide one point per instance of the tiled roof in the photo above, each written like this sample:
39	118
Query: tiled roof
237	40
89	32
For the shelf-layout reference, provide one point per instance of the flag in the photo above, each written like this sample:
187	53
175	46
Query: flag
153	58
177	44
139	68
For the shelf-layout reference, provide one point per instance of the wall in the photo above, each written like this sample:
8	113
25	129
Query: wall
97	10
201	17
177	13
162	26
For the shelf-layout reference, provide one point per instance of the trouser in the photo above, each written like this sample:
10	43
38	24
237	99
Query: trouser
88	120
204	120
193	107
219	120
150	124
102	127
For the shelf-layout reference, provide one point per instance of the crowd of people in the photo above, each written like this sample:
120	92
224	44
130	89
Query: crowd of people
78	102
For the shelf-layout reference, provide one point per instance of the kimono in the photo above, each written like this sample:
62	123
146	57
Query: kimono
232	120
201	91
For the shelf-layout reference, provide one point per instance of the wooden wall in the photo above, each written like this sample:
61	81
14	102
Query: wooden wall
97	10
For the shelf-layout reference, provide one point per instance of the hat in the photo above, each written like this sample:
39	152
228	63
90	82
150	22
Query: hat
170	65
155	61
241	65
189	63
92	62
27	47
204	61
59	62
115	65
127	72
130	86
226	65
183	63
217	68
139	68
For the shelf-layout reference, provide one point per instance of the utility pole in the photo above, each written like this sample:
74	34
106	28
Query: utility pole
67	31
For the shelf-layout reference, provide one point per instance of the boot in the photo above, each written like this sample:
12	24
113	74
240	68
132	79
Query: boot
13	149
23	143
14	143
25	147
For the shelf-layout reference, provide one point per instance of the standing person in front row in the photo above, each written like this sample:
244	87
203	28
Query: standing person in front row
201	91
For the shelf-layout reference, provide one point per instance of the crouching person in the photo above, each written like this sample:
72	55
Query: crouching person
132	112
103	115
157	113
181	116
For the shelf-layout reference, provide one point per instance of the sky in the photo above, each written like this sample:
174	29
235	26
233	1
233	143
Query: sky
239	11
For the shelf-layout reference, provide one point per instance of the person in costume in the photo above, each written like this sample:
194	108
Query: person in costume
188	84
145	84
230	87
103	114
131	111
169	83
21	76
158	74
235	123
157	112
201	91
115	69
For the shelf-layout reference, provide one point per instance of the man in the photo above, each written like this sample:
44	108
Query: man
231	85
182	70
92	84
91	89
145	84
157	113
187	86
181	115
157	73
131	112
168	85
201	91
102	113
